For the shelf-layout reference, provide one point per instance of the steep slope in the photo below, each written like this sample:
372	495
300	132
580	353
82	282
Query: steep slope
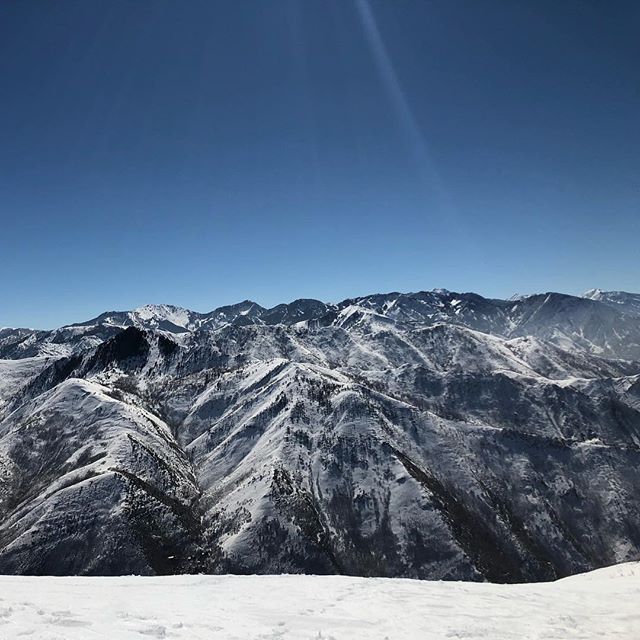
311	471
91	484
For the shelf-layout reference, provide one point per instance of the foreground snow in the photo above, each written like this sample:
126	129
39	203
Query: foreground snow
601	604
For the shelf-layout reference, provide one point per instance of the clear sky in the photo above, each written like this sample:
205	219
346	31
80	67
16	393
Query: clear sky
202	152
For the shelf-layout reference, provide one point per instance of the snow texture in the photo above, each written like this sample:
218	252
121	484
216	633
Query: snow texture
601	604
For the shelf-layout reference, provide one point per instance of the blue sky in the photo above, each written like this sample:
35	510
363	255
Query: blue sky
200	153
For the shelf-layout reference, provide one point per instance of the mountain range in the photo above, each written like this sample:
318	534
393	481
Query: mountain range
434	435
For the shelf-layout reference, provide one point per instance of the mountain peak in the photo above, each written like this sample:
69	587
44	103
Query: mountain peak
165	316
621	300
155	310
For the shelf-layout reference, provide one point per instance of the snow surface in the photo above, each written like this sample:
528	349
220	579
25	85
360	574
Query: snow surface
16	373
600	604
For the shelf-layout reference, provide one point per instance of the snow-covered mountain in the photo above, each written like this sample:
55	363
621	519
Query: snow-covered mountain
628	302
433	435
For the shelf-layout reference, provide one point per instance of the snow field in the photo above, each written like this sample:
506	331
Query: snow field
600	604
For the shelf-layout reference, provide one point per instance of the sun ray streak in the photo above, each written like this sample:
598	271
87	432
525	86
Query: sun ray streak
409	125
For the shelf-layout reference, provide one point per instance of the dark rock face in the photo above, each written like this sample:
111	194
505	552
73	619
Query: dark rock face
432	435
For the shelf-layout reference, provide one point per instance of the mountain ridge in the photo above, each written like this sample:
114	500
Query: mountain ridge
431	435
501	317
